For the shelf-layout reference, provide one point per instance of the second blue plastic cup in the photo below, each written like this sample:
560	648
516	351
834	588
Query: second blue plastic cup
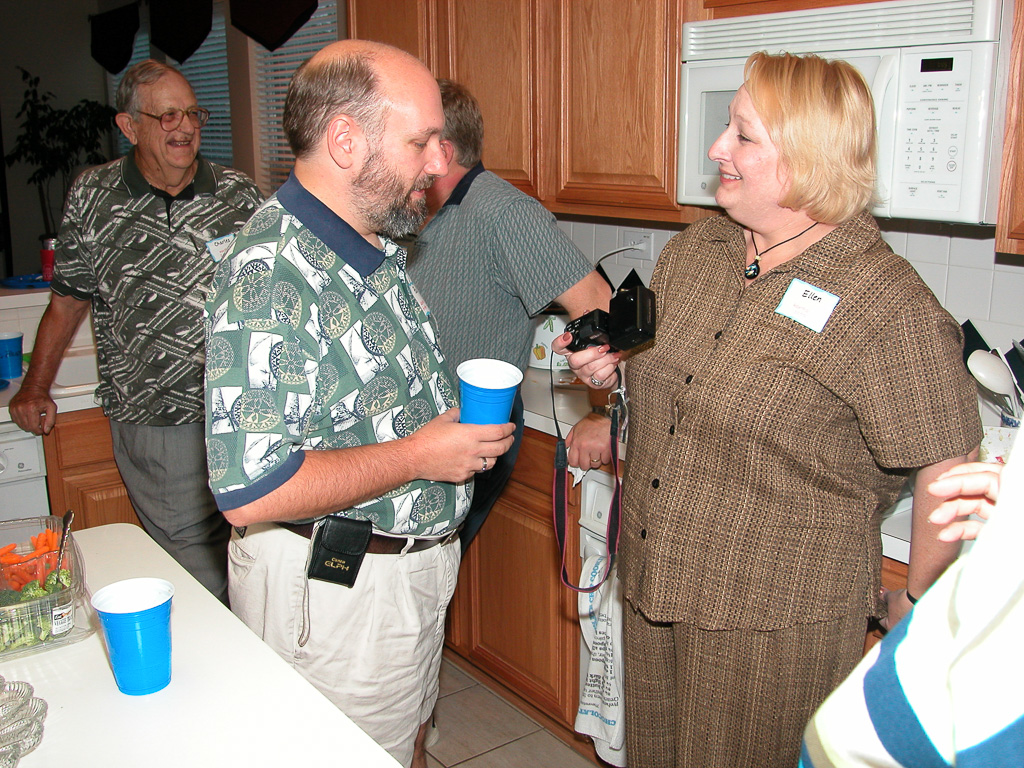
10	354
487	389
136	619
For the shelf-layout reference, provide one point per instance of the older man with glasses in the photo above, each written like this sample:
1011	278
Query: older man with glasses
138	243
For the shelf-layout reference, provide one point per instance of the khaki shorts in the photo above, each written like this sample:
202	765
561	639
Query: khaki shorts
375	649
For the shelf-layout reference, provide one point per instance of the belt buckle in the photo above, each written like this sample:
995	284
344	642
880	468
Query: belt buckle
451	537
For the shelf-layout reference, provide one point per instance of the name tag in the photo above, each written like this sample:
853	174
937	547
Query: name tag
807	305
219	247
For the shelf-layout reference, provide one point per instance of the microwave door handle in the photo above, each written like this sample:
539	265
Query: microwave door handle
884	91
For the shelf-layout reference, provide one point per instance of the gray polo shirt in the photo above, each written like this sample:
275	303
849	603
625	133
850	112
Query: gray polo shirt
489	260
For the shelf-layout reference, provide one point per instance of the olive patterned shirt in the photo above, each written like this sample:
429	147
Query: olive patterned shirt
142	261
316	341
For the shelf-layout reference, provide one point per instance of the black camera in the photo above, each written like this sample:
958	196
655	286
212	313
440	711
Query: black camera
629	322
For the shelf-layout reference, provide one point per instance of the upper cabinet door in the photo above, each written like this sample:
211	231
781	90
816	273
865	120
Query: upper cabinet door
1010	220
490	46
405	24
617	96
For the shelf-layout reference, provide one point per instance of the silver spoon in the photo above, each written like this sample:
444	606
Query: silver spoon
992	373
68	517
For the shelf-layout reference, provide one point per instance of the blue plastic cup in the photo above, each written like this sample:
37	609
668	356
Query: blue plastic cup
136	619
10	354
487	389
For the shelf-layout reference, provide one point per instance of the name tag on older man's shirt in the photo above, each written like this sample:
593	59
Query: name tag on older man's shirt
219	247
807	305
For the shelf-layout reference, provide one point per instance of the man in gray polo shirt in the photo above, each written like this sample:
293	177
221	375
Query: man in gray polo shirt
138	242
489	260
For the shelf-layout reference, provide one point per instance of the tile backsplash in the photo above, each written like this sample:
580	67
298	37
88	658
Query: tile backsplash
958	263
26	319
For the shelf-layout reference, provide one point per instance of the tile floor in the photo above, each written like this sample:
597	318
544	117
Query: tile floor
478	729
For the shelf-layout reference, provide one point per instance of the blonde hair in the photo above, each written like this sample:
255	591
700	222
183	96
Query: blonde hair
821	118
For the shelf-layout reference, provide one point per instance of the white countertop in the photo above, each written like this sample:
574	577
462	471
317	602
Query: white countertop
64	404
571	404
232	701
79	397
14	298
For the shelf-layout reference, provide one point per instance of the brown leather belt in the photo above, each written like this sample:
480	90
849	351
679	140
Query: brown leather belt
380	545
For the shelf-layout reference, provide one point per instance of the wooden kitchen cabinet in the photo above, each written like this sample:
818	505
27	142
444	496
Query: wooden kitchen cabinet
80	471
511	616
721	9
616	89
579	97
1010	219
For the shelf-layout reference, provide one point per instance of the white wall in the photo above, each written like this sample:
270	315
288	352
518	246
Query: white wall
957	262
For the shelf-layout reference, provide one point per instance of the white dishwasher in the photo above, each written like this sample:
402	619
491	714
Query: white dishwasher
22	474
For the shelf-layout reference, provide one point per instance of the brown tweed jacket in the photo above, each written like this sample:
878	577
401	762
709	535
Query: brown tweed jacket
762	452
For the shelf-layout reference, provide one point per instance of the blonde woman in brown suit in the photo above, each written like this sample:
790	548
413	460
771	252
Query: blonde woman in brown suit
801	372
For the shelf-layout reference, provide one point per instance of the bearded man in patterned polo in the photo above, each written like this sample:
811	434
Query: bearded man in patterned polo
138	244
333	430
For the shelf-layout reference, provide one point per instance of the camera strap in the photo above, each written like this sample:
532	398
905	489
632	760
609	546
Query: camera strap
560	490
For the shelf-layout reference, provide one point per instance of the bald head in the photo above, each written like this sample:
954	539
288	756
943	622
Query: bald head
353	77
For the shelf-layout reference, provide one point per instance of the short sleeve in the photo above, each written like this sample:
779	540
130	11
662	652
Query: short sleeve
260	372
535	259
73	273
916	403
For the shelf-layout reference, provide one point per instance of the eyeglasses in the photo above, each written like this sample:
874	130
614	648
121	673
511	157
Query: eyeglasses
171	119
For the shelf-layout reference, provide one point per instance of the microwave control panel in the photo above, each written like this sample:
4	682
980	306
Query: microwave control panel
944	96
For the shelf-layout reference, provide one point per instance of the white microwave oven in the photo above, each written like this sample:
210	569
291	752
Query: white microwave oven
937	72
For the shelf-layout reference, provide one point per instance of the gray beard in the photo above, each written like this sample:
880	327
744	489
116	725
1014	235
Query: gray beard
383	207
401	218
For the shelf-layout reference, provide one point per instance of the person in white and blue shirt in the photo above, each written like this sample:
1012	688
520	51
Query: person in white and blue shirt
946	685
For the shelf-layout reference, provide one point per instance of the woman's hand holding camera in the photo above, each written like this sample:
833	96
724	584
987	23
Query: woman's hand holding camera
595	366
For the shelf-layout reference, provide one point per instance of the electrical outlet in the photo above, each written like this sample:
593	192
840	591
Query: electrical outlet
640	240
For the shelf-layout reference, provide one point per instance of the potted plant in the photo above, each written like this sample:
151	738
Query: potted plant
57	142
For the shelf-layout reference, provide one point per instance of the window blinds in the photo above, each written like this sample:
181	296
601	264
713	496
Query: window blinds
273	72
207	72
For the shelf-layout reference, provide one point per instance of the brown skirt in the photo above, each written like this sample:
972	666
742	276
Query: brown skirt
729	698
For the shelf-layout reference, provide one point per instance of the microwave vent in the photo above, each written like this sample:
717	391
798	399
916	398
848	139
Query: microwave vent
896	24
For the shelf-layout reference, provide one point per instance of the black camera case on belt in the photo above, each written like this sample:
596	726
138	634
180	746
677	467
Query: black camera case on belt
337	549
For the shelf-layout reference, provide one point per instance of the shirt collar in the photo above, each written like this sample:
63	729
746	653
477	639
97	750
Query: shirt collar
336	233
463	186
837	252
204	182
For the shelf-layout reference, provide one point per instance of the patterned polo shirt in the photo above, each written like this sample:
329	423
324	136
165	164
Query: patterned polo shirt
768	432
142	261
501	247
317	342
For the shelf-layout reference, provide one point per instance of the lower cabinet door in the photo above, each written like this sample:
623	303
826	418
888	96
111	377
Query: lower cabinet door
98	497
80	471
511	615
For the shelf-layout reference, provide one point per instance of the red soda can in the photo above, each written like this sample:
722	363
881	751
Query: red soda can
46	257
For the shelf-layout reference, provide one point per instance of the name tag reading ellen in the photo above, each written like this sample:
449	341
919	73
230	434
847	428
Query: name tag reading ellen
807	305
